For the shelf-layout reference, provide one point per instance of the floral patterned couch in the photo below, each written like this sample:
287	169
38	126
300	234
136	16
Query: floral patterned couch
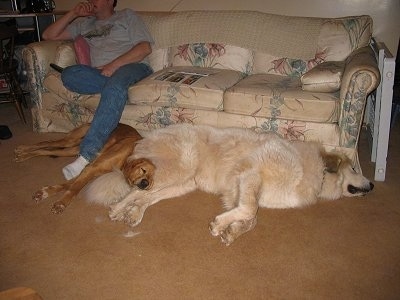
303	78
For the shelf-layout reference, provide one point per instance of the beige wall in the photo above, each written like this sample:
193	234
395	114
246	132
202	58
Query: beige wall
386	13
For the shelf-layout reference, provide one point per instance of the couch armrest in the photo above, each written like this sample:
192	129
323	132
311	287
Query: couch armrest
361	76
37	57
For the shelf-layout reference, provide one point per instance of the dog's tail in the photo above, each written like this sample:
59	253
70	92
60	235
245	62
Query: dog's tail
107	189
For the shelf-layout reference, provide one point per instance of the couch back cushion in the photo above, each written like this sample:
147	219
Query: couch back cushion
281	45
210	55
337	39
268	33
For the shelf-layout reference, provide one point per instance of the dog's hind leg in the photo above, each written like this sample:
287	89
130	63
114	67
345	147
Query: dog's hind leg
246	210
236	229
61	152
70	140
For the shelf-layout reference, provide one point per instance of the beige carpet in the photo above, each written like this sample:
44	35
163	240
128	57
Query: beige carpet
348	249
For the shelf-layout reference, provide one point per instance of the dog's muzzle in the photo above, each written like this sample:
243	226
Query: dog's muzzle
357	190
143	184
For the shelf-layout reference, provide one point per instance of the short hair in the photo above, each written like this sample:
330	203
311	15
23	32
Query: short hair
115	3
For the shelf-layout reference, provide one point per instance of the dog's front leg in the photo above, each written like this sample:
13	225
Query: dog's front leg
118	210
243	213
48	191
132	208
134	215
59	206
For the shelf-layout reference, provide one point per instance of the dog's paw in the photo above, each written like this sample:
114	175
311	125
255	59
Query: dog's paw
133	216
20	154
116	213
216	227
40	195
227	237
58	208
236	229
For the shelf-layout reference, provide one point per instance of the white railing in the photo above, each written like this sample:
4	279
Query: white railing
379	108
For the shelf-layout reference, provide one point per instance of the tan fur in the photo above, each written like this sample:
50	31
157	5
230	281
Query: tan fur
113	155
248	170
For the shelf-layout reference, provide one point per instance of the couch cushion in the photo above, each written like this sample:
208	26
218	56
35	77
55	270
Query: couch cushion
280	97
325	77
65	55
211	55
185	87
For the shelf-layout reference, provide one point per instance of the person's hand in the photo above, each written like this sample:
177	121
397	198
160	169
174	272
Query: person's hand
108	69
84	9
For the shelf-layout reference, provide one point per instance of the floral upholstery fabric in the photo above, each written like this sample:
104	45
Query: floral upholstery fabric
324	78
145	117
273	96
208	55
185	87
337	40
341	36
54	86
257	84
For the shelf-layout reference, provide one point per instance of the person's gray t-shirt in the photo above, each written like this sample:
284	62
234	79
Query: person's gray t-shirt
109	39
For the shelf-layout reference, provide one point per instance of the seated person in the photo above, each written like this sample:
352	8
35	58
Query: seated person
119	43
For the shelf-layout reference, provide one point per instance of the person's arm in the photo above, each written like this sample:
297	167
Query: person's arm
57	30
136	54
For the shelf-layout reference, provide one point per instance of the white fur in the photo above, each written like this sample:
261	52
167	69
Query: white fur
107	189
245	168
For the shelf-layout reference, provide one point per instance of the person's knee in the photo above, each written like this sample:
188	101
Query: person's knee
71	74
83	79
67	74
130	74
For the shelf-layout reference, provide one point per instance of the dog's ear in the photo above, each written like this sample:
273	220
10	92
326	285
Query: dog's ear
331	161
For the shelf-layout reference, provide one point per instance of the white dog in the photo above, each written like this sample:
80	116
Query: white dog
248	170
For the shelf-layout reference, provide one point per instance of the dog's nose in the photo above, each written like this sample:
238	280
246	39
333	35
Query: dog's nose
371	186
144	183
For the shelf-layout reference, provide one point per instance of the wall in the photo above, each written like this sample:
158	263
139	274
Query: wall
385	13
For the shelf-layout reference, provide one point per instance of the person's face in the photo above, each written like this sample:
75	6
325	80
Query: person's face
101	6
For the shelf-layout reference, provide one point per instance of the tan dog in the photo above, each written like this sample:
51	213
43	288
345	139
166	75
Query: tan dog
113	155
248	170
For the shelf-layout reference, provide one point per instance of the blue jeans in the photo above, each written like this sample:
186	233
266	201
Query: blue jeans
114	93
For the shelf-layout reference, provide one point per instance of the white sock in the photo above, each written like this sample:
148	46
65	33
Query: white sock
75	168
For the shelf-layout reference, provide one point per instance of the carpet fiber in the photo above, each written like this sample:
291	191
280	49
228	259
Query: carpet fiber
347	249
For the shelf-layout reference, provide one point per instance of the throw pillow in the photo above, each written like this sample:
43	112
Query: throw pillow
324	78
82	50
